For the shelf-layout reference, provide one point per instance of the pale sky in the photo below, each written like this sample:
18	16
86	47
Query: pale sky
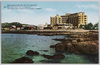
48	9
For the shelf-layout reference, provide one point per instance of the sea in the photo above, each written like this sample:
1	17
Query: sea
14	46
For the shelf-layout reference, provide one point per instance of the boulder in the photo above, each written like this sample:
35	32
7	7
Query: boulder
70	47
23	60
87	39
74	41
58	56
80	40
30	52
87	47
69	40
74	36
47	56
36	53
60	47
96	41
52	46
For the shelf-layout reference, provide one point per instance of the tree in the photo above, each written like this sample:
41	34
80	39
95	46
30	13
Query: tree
4	25
81	26
85	27
17	24
96	26
90	26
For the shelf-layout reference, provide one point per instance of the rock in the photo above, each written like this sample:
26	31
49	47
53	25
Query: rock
45	50
70	47
36	53
58	56
87	47
87	39
23	60
74	36
52	46
47	56
96	41
80	40
60	47
69	40
74	41
30	52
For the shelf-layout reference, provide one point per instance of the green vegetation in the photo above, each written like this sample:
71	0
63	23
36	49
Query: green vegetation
16	24
90	26
8	25
81	26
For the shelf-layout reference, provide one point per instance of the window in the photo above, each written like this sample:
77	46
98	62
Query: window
84	18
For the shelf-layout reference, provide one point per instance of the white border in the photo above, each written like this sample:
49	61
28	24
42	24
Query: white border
48	0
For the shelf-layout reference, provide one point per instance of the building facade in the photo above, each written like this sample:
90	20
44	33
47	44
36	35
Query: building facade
75	19
56	20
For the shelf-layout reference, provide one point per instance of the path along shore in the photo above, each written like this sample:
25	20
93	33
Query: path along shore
46	32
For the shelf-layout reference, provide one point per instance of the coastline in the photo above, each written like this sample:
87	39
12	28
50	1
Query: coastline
47	32
82	42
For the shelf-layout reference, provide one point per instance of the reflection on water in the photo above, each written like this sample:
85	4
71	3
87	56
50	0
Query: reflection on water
15	46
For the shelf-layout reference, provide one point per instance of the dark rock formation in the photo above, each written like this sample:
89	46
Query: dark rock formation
60	47
86	47
47	56
23	60
85	43
52	46
80	40
30	52
58	56
74	41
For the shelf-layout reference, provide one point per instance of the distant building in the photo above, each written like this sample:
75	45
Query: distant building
13	28
56	20
75	20
41	26
31	27
6	28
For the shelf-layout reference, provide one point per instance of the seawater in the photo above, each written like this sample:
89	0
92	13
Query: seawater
14	46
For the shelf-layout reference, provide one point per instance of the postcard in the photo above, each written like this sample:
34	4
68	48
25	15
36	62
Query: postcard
49	32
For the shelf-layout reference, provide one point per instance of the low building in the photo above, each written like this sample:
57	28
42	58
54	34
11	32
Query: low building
12	29
6	28
62	26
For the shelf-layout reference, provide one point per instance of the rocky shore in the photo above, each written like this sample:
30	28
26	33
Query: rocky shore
80	43
45	32
32	53
84	43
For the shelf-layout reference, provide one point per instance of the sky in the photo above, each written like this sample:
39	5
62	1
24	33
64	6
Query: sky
46	10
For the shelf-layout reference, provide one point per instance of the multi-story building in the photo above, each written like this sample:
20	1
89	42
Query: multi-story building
75	19
56	20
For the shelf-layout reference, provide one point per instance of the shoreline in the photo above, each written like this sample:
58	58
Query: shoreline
82	43
48	32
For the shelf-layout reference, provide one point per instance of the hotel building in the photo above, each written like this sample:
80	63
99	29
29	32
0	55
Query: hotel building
72	20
